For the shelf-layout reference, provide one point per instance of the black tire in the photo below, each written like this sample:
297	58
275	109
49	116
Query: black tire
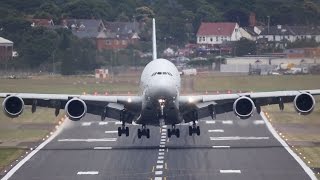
190	131
119	131
127	131
169	133
139	133
148	133
198	130
178	133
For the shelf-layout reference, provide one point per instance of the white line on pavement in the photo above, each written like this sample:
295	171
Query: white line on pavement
215	130
233	138
88	140
222	147
101	148
86	124
258	122
210	122
160	157
230	171
87	173
159	166
158	172
110	132
160	162
103	123
227	122
158	178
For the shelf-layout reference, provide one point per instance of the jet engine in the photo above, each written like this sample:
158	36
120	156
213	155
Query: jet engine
76	109
304	103
13	106
243	107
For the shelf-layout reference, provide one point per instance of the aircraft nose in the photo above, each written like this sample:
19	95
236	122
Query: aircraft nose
162	89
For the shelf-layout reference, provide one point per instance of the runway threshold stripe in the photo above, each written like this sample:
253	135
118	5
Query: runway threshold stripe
286	146
230	171
86	124
87	173
216	130
227	122
103	123
258	122
235	138
88	140
30	155
210	122
102	148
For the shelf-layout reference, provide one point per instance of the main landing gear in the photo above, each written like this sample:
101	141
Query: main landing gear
143	132
123	130
194	129
174	131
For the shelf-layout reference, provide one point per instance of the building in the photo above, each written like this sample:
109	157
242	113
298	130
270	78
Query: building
6	49
84	28
48	23
211	34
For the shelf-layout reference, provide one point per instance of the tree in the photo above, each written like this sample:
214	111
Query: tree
245	47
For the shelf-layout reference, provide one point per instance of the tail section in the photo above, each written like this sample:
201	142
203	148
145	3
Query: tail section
154	40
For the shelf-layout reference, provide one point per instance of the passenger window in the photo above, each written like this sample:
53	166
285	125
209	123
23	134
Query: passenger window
159	73
164	73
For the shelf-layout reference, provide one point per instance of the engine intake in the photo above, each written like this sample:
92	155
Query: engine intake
13	106
243	107
76	109
304	103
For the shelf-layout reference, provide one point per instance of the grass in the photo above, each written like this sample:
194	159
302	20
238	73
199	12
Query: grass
10	129
8	155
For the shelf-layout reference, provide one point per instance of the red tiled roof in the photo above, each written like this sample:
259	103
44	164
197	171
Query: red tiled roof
216	29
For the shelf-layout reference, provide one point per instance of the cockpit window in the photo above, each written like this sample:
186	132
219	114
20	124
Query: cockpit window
161	73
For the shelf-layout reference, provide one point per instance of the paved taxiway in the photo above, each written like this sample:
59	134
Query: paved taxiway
228	148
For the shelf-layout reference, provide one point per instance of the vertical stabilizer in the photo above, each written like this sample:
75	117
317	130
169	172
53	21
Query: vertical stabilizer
154	40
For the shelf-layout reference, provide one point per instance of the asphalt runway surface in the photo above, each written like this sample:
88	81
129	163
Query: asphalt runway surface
228	149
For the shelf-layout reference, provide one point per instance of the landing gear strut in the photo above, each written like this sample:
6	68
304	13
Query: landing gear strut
123	130
174	131
194	129
144	132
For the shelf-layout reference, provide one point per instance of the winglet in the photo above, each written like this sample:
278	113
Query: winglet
154	43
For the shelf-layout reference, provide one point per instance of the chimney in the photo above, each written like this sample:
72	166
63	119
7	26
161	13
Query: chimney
252	19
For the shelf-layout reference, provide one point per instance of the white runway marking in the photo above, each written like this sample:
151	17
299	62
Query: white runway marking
103	123
158	172
159	166
220	147
215	130
88	140
161	150
158	178
102	148
230	171
87	173
227	122
163	139
162	146
164	126
160	162
164	130
110	132
233	138
118	123
160	157
163	136
161	153
258	122
162	142
285	145
210	122
86	124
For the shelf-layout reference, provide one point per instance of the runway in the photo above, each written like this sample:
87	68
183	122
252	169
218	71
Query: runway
228	148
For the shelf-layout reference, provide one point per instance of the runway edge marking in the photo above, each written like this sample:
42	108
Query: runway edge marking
30	155
286	146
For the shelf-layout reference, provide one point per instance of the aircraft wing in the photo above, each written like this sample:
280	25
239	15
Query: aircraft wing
211	105
116	107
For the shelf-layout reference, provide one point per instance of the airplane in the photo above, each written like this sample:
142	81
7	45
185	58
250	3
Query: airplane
159	102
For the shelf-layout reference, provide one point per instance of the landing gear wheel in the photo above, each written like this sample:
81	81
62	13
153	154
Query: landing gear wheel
194	129
119	131
190	131
173	131
139	133
198	130
148	133
123	130
144	132
127	131
169	133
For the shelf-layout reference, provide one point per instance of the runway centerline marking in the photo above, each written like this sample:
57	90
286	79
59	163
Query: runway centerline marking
160	157
158	172
215	130
161	153
88	140
160	162
110	132
235	138
103	123
159	166
87	173
230	171
158	178
118	123
258	122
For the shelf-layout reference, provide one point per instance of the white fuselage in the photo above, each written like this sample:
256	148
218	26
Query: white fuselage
160	86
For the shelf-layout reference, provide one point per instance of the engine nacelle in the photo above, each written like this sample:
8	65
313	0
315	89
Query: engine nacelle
304	103
13	106
76	109
243	107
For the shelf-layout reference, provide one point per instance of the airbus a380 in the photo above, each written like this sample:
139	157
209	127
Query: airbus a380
159	101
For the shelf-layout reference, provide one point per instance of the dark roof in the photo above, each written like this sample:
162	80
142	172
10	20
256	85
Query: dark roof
84	28
290	30
250	30
122	28
216	29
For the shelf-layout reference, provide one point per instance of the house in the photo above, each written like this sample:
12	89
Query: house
211	34
6	49
118	35
48	23
84	28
